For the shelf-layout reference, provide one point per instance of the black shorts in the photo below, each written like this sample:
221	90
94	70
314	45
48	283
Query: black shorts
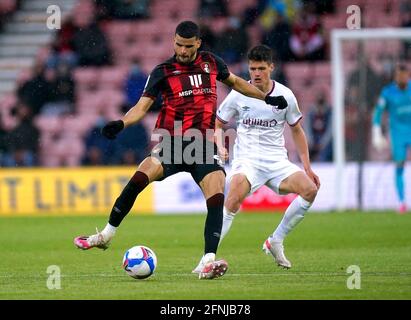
197	156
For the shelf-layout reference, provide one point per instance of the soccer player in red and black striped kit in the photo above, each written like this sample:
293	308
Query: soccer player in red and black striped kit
187	83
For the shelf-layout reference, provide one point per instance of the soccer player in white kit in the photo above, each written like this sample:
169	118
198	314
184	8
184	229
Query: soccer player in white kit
260	157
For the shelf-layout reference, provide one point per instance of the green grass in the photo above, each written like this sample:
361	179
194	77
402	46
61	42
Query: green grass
320	248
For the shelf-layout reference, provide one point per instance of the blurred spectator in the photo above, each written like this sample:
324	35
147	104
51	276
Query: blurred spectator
213	8
388	66
232	43
130	147
89	43
62	88
62	48
278	73
35	92
319	130
278	38
135	83
321	6
98	149
406	23
22	141
373	86
307	42
208	38
252	13
351	124
6	10
272	9
132	144
358	120
2	141
129	9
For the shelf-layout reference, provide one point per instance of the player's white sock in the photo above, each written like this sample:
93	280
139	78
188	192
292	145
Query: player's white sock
292	216
108	232
228	218
208	257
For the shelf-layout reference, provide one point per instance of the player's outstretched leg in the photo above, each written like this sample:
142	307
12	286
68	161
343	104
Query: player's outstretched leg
121	208
227	221
212	185
239	188
211	268
292	216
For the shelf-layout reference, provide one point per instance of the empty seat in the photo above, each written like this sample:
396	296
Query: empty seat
89	103
112	77
48	125
86	77
76	126
69	151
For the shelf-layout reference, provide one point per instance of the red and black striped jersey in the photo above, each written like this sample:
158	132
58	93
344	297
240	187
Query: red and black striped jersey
189	92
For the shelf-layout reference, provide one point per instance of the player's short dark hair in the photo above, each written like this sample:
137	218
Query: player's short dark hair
188	29
261	53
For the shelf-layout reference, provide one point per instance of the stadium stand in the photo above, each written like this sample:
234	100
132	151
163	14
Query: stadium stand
99	90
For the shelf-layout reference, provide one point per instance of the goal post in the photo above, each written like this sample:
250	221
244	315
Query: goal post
338	90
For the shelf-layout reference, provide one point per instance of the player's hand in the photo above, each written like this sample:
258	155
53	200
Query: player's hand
278	101
314	178
378	140
111	129
223	153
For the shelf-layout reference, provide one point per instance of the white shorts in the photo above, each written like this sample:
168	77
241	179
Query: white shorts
270	174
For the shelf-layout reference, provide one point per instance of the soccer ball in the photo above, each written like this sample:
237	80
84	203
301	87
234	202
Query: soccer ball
139	262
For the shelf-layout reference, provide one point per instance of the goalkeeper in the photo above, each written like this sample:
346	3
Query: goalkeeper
395	98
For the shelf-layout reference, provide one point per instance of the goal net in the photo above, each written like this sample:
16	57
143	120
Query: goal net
362	62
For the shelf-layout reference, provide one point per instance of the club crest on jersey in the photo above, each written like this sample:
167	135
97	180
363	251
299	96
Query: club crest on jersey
205	66
276	110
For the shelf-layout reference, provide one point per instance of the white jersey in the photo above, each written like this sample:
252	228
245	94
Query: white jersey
260	127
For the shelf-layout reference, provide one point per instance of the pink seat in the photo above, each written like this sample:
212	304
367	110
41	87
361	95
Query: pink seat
218	24
76	126
112	100
112	77
333	21
48	124
146	28
69	151
118	28
86	77
342	5
322	69
300	74
148	64
89	103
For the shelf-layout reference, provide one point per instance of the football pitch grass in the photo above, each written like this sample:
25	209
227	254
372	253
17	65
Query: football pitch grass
321	249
